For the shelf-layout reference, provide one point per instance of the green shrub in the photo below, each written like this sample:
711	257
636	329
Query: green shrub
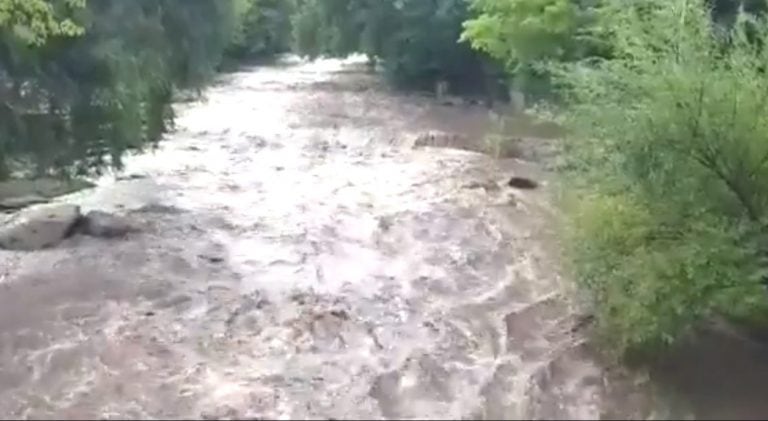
667	192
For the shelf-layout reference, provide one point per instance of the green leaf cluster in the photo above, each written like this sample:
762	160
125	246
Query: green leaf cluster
34	21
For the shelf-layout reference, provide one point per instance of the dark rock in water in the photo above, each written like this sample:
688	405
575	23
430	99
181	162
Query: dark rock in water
522	183
224	412
131	177
105	225
211	258
582	322
39	228
385	223
14	203
160	209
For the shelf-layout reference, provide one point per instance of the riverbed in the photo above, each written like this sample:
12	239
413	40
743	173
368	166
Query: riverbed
300	258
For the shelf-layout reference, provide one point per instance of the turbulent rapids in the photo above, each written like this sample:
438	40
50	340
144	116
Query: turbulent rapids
300	257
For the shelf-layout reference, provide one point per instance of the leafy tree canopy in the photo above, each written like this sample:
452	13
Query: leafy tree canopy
34	21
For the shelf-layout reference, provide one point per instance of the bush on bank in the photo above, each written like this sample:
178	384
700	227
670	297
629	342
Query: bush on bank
665	198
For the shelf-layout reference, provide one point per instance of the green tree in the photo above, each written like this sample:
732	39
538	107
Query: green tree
74	105
522	34
523	31
34	21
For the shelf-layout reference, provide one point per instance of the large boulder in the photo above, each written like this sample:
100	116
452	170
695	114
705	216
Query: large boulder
38	228
18	194
41	187
19	202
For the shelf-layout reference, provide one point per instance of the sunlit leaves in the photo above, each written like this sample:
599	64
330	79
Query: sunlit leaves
34	21
516	31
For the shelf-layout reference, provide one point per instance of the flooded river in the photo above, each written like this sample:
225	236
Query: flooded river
300	259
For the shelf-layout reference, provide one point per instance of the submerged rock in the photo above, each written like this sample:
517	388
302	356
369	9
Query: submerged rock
39	228
129	177
159	208
105	225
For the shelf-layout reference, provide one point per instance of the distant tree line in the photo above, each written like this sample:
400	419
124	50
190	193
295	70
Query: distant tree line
82	82
415	41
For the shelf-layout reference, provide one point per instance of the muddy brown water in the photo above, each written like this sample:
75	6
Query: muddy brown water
298	259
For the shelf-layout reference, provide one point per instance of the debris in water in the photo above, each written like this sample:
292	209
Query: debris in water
582	322
212	259
385	223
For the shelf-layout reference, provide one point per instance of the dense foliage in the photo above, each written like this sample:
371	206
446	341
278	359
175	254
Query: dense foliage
34	21
82	83
669	158
524	34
